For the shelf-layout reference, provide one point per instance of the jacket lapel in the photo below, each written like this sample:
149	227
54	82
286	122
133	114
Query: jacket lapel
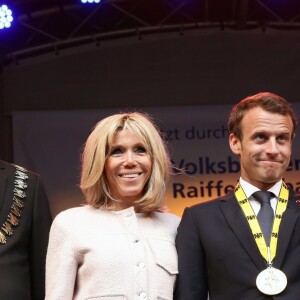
287	225
239	225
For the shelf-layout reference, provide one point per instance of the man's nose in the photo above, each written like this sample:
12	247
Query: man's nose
272	147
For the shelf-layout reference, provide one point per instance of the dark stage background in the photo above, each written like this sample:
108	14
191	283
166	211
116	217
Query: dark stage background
191	66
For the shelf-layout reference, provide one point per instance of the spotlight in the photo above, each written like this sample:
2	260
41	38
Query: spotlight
90	1
6	17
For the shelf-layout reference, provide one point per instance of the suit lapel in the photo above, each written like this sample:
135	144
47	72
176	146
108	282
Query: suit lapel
239	225
288	222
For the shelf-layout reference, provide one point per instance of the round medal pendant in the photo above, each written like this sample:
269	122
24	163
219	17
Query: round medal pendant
271	281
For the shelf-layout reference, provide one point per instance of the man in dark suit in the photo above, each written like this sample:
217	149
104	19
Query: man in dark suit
25	221
246	245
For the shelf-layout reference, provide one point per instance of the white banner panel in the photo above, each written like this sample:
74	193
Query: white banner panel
50	143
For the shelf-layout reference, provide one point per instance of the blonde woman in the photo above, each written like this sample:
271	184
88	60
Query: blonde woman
119	245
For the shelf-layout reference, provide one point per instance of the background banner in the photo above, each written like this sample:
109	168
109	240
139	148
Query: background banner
50	143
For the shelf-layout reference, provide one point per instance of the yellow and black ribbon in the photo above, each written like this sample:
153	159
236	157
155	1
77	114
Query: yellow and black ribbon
253	222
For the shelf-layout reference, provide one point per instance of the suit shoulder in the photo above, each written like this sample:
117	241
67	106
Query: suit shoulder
294	199
6	166
29	172
10	168
212	203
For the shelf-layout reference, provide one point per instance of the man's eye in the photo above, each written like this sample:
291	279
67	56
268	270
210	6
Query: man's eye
282	138
260	137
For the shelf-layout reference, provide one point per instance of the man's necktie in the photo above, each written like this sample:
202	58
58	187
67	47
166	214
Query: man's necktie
265	215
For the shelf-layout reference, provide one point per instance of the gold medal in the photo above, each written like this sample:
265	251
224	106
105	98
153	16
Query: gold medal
271	281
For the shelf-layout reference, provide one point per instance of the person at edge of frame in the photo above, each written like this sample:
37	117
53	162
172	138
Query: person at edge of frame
25	221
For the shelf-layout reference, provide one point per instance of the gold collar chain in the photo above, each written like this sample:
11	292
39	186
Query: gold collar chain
19	195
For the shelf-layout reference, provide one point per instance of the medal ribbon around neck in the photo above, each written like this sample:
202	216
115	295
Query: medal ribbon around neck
253	222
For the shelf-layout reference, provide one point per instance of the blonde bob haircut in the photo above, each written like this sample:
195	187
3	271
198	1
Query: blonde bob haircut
94	184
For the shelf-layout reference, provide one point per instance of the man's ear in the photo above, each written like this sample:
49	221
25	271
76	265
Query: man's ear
235	144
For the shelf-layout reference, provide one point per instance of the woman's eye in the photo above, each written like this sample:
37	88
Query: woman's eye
141	150
116	151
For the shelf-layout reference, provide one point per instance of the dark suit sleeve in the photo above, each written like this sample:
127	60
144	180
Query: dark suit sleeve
192	280
41	222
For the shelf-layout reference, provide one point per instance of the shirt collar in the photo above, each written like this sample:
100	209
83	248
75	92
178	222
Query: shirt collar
249	189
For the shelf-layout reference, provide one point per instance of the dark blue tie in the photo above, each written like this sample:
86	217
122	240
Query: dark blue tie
265	215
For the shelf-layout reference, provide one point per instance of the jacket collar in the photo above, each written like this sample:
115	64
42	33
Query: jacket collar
287	225
239	225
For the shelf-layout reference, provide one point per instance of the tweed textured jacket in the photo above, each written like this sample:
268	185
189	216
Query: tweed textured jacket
111	255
